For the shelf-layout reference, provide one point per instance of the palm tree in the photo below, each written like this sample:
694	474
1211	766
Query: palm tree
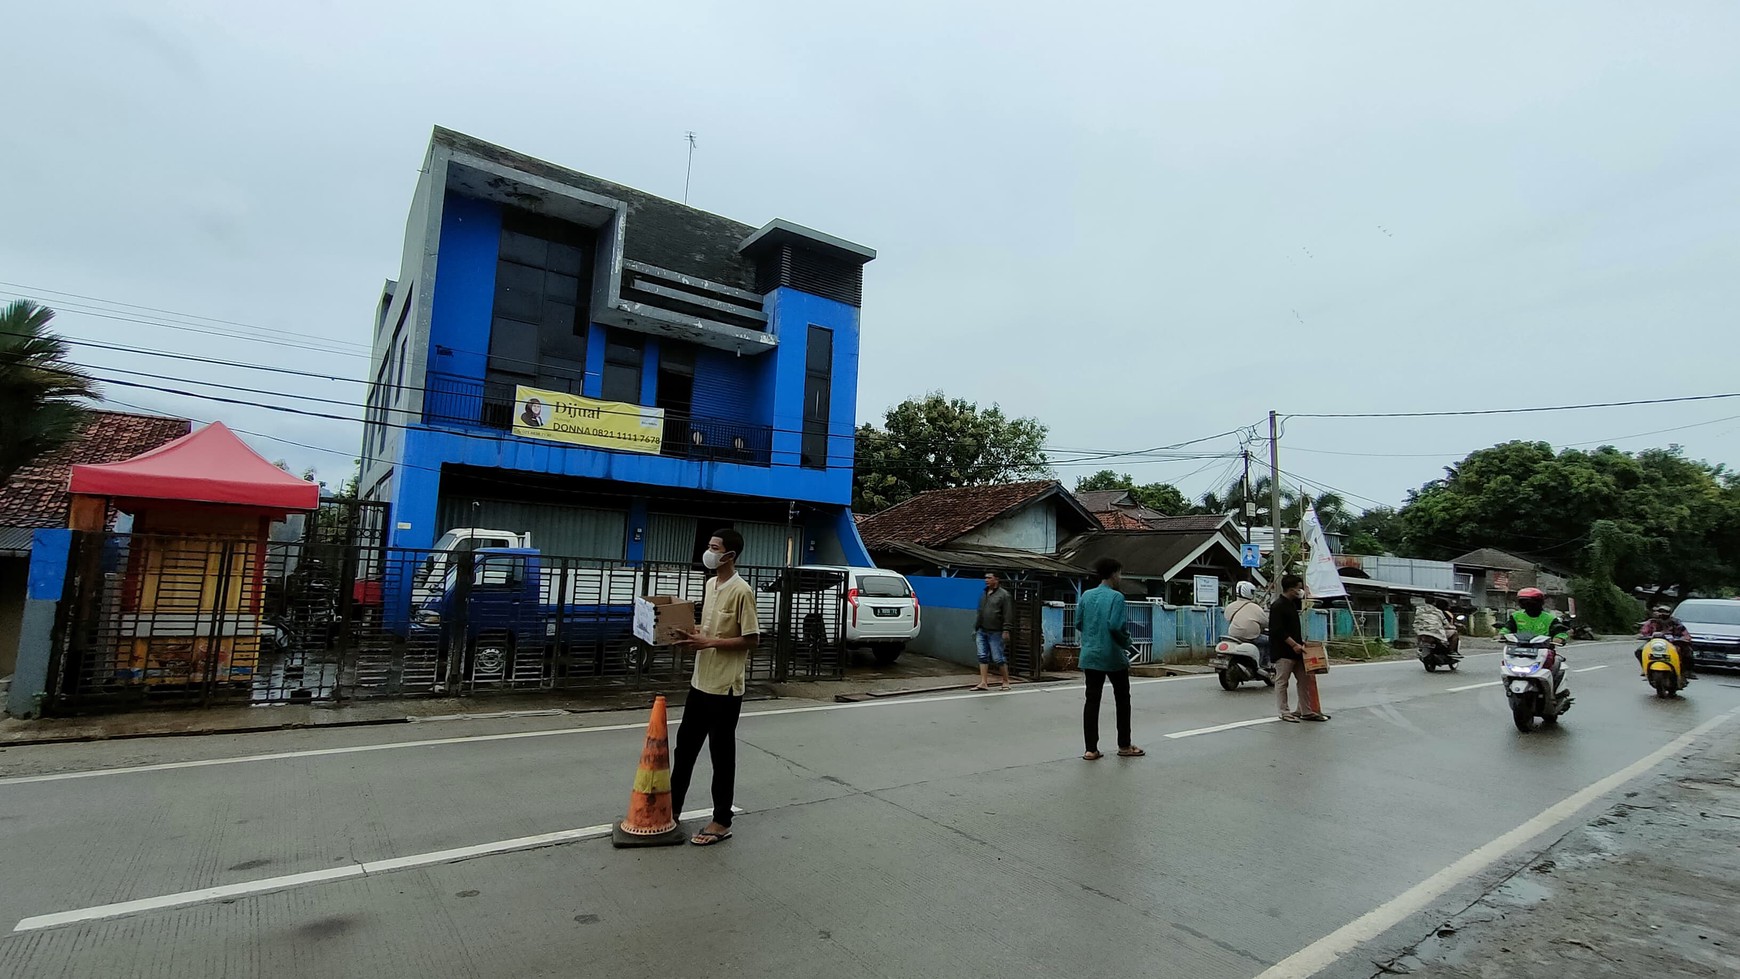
39	389
1332	510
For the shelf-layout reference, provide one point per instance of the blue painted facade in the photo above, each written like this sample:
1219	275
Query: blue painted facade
412	448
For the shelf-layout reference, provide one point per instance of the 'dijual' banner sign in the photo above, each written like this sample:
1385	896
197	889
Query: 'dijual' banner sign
559	417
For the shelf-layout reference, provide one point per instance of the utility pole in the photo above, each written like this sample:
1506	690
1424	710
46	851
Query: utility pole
1275	496
1245	493
690	170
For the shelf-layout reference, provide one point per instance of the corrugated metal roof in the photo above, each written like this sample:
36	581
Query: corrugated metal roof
15	541
994	558
1375	585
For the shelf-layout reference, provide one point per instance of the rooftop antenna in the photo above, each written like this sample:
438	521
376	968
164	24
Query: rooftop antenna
690	136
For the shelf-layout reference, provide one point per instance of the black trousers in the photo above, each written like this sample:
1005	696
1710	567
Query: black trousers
1090	718
710	718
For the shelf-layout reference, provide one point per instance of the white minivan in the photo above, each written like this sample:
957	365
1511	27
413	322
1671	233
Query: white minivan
881	611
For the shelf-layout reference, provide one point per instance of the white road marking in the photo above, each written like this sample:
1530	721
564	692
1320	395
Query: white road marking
1324	952
1591	669
520	735
1223	727
1471	686
267	884
1041	688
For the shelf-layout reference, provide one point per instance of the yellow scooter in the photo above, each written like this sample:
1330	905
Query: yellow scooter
1660	659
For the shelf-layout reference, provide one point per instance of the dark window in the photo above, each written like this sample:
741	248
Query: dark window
676	392
623	352
883	586
818	396
538	331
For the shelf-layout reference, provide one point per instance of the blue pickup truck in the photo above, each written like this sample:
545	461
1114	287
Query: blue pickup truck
517	622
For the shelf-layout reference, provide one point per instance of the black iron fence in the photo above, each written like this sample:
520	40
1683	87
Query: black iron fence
192	620
452	399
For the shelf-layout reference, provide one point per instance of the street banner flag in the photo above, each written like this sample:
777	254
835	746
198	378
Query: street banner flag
1321	578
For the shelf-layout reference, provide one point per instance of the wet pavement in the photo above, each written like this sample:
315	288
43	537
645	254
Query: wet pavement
910	673
951	835
1645	887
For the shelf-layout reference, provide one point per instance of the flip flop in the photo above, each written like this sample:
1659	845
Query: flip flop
709	839
1315	717
1290	718
1091	756
1131	752
980	687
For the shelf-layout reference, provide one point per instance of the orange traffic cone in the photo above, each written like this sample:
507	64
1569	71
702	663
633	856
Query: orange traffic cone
650	821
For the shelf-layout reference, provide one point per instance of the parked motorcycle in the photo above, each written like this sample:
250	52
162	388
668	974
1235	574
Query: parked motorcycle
1535	680
1435	652
1660	659
1236	662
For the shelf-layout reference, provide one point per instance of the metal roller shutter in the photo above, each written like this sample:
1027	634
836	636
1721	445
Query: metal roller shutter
556	530
671	539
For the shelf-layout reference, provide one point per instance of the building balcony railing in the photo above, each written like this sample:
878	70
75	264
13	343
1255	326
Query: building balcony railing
450	399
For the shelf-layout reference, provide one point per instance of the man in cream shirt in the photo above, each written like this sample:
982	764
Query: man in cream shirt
729	633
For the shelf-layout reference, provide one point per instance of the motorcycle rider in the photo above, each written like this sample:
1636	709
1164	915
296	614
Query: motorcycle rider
1534	619
1661	622
1247	621
1430	620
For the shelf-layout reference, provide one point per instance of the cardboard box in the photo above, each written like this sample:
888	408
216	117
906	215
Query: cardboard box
1316	658
660	620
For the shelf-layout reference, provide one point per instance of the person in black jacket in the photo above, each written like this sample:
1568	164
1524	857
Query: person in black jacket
1287	646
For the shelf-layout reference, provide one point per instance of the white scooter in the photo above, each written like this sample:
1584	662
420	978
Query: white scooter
1235	662
1535	679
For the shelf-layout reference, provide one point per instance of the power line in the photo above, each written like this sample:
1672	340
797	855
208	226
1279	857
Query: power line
167	312
1518	411
1565	445
499	439
1087	455
291	340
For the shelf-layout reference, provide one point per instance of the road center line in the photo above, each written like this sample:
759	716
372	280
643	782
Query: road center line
264	885
602	728
1591	669
1324	952
1470	686
1223	727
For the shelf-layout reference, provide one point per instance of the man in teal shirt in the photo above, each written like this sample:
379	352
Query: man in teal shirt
1105	655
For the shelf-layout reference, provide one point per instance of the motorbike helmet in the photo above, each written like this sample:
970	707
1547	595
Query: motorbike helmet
1532	600
1246	590
1661	611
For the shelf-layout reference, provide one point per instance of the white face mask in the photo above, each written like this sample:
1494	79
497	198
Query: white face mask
710	559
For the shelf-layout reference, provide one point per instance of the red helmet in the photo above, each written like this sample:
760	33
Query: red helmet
1532	593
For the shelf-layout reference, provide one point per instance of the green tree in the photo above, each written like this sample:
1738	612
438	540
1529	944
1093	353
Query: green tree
1376	531
1650	520
1163	498
40	390
935	442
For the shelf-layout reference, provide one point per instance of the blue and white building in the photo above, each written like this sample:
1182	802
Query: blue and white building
732	351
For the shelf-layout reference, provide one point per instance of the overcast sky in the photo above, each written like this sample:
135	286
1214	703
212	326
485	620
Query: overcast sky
1140	223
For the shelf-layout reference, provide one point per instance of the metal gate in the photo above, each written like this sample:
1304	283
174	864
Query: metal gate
1026	647
200	621
196	620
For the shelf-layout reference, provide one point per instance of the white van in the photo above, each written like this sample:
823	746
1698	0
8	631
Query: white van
882	612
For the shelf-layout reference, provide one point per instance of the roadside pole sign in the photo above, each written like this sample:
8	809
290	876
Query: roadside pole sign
1207	589
1251	556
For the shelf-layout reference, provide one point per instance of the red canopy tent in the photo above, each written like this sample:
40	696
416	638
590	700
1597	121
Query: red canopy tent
210	466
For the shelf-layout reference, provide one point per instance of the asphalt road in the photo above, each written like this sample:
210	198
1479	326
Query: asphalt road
955	836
